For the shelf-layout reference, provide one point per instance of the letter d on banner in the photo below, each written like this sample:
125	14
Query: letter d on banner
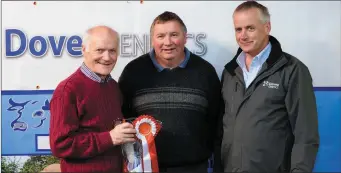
9	38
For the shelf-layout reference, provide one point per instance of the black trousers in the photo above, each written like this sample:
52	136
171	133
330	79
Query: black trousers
200	167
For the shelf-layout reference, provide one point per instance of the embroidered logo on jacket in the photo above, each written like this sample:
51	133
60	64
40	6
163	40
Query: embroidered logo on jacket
270	85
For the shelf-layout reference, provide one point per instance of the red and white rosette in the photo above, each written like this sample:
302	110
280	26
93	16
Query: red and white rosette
146	130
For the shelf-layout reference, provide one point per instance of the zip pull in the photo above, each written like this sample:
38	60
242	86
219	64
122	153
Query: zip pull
236	87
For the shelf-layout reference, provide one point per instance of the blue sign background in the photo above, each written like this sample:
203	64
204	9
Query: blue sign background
25	114
20	142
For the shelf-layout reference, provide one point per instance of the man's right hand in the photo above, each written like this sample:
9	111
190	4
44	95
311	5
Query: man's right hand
123	133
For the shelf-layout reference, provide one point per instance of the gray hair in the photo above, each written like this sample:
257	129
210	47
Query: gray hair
264	12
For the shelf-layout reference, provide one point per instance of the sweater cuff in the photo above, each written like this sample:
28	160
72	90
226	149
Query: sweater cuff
105	141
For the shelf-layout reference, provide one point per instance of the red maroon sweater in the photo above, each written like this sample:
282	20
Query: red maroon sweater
82	114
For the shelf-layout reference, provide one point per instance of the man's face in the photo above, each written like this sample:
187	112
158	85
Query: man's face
251	34
101	53
168	40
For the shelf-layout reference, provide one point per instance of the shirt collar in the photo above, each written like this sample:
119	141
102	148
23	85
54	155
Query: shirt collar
258	59
93	76
160	68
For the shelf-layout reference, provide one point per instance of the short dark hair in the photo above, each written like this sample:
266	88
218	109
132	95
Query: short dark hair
253	4
166	17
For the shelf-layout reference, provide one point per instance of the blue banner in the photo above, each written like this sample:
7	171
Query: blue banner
25	118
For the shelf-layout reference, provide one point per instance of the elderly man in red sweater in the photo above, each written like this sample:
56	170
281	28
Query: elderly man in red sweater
84	109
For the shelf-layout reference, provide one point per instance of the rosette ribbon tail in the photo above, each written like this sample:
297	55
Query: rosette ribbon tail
147	128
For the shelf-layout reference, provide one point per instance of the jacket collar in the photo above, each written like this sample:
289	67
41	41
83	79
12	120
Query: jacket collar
275	54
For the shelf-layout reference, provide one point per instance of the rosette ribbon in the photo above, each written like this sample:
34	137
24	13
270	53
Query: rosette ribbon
146	130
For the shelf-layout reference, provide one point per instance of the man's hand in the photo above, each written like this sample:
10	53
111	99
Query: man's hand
123	133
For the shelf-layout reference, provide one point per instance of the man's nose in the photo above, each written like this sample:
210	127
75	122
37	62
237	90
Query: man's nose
243	35
106	55
168	40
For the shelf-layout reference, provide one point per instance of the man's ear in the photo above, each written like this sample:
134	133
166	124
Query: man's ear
83	49
268	27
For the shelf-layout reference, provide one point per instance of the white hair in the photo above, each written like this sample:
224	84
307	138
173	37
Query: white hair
87	36
86	40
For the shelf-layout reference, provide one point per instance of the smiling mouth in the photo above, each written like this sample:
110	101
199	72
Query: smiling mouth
106	64
168	50
246	43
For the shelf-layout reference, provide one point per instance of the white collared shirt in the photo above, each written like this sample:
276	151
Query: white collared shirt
255	66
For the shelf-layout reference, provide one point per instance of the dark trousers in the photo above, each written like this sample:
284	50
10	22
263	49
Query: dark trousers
200	167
